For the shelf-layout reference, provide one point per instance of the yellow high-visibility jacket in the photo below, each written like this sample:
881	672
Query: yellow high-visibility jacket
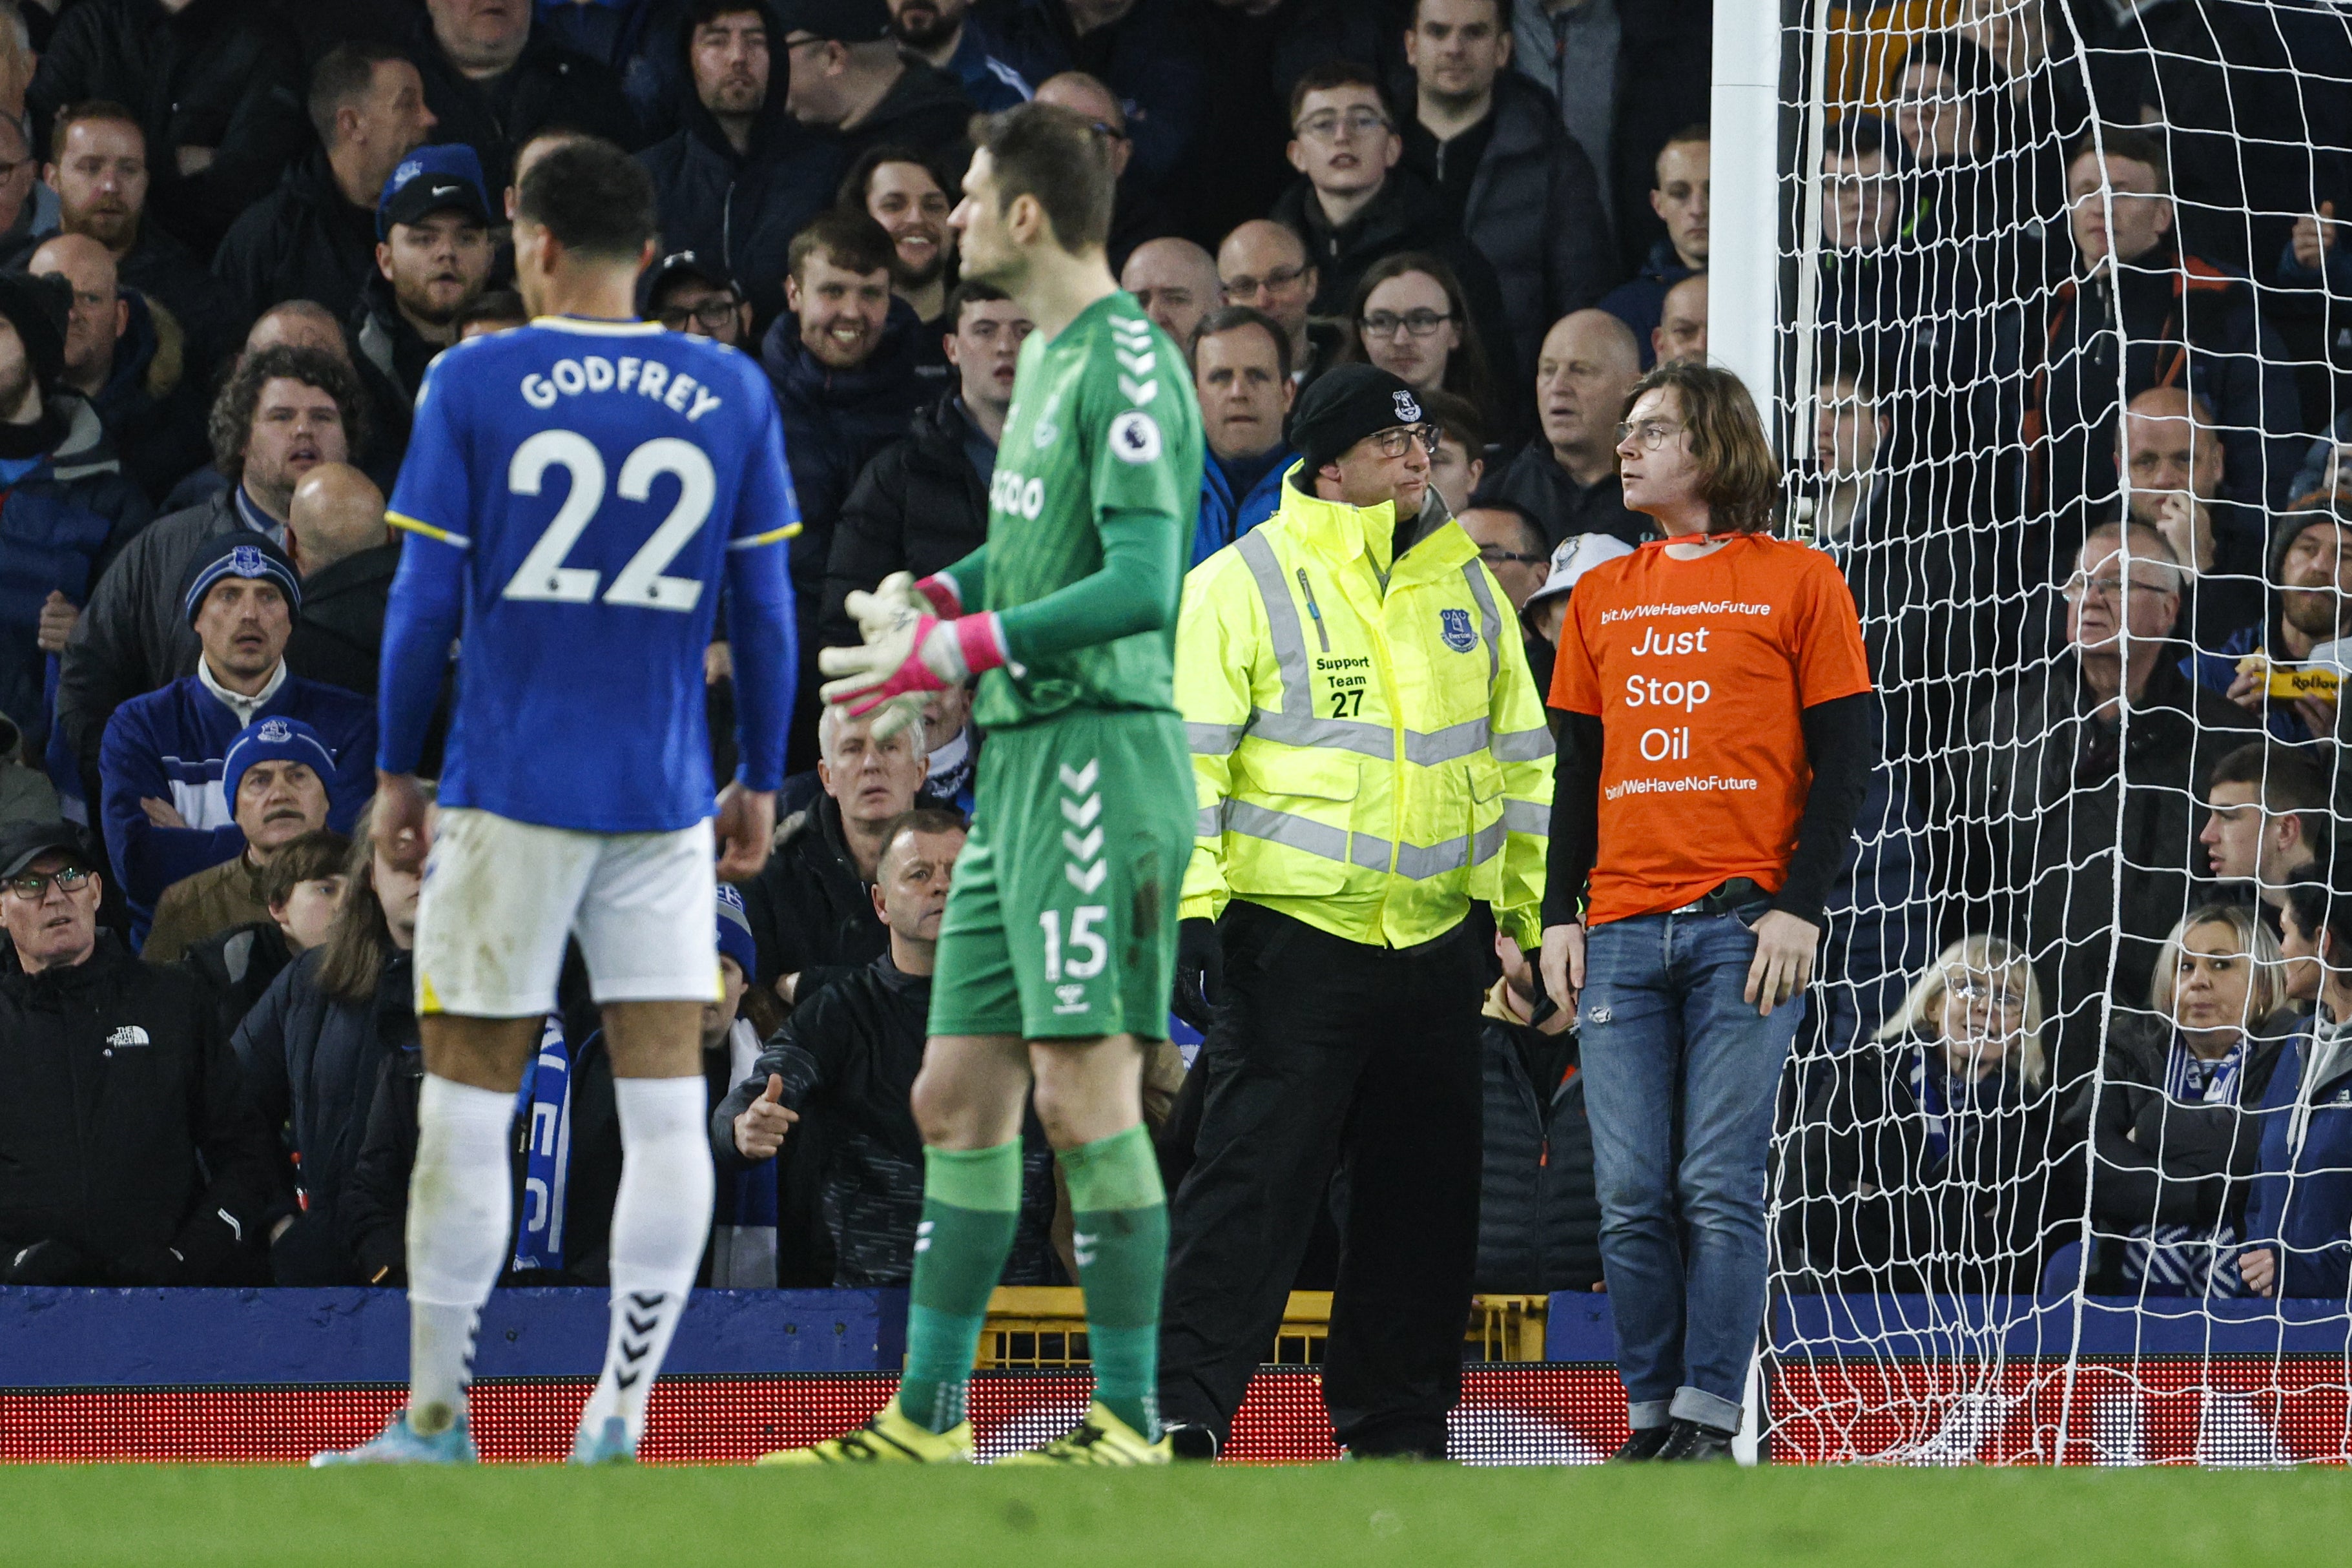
1369	750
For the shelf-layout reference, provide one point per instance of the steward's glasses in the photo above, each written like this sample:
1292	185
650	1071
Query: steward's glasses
1388	324
714	313
34	886
1246	287
1652	434
1330	124
1397	442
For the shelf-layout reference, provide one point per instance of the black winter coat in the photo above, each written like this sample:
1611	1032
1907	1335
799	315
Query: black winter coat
339	638
315	1062
1539	1218
849	1059
125	1131
373	1217
238	966
302	241
810	913
1535	479
1873	1208
132	639
918	506
224	74
549	85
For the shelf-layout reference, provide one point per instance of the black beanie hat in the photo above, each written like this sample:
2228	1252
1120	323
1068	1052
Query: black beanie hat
39	308
1346	404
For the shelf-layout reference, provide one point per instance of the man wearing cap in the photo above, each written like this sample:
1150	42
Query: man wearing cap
163	763
129	1154
52	535
1371	756
275	781
687	294
284	412
432	259
849	76
739	176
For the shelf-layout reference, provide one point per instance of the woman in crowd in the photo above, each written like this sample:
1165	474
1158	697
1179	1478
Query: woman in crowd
2173	1142
1925	1158
1408	317
314	1050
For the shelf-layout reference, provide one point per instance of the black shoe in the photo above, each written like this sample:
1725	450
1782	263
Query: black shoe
1688	1442
1190	1441
1643	1444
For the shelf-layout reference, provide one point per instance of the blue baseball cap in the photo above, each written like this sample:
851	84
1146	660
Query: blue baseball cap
274	741
735	931
445	177
240	554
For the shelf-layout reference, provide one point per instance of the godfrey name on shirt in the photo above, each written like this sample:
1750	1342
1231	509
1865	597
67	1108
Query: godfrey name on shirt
632	377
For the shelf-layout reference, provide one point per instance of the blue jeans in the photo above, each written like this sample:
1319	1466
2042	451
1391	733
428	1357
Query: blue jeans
1680	1077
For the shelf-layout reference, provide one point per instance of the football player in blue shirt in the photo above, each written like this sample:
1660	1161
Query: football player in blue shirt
574	492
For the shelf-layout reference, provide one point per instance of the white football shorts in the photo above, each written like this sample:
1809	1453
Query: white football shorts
500	897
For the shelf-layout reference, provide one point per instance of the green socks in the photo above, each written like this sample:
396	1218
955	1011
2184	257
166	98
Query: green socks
1121	1241
972	1202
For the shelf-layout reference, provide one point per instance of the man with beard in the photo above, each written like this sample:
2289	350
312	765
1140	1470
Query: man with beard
949	35
433	259
896	189
98	167
2310	603
283	413
738	177
124	359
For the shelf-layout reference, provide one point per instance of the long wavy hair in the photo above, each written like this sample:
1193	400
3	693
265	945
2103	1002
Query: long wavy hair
359	944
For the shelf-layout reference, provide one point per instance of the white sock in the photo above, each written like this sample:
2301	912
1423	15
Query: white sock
460	1210
661	1217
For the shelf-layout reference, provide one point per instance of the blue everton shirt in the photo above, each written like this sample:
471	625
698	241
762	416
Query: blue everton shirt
575	490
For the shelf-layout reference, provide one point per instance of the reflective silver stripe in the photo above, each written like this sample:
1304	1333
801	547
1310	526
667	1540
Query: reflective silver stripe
1527	816
1421	862
1427	749
1281	622
1519	745
1210	823
1213	739
1330	734
1369	853
1490	625
1316	839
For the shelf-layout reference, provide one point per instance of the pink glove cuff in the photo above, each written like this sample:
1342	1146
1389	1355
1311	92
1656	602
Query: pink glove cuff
980	638
940	589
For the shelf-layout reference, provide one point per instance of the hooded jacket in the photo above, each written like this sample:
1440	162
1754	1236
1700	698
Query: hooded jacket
153	404
2302	1198
303	240
51	540
1154	59
236	967
1538	1217
125	1131
1640	301
547	85
925	108
739	210
919	507
1405	216
223	74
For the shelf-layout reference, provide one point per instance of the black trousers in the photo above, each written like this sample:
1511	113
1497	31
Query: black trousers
1329	1055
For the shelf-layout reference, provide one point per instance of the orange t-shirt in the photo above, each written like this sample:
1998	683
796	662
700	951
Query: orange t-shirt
1697	670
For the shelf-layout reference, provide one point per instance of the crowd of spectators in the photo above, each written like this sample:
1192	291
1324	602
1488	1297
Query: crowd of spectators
2069	398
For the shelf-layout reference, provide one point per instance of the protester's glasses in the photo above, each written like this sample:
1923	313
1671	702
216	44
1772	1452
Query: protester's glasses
34	886
1396	443
1331	124
1246	287
1650	434
714	313
1388	324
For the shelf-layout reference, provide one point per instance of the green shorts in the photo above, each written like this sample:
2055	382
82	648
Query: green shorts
1061	924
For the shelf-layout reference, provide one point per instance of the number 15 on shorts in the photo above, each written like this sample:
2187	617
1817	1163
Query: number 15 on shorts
1087	952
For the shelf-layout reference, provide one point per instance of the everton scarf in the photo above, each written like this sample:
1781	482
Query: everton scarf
2187	1259
743	1232
544	1106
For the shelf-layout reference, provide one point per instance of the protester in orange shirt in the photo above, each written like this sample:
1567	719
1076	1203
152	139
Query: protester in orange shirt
1717	707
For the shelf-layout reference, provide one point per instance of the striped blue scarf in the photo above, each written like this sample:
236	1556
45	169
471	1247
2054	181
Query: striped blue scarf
2189	1259
544	1104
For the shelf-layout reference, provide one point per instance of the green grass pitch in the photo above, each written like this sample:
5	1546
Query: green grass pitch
1367	1516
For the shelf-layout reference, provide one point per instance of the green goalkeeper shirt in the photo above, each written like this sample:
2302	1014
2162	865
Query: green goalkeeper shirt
1090	516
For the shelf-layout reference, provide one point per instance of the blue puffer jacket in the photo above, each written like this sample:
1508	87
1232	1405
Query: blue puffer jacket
49	541
2302	1198
1225	517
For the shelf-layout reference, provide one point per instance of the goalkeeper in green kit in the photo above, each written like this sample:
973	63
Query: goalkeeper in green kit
1057	953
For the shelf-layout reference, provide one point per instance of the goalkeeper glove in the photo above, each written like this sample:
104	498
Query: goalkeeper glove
913	657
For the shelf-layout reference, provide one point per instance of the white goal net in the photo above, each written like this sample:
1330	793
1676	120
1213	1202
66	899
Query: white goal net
2060	333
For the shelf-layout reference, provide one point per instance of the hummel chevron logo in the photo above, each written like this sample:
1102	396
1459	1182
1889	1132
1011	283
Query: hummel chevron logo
1077	781
1087	880
627	1379
1138	393
1082	815
639	1326
1082	1246
1084	848
1139	363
